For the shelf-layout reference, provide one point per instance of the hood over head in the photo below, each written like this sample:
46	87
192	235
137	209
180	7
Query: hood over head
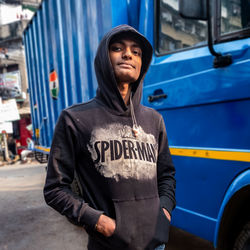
107	90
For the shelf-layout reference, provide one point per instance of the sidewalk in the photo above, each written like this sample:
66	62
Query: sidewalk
27	223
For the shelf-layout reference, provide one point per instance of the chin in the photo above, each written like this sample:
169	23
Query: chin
127	78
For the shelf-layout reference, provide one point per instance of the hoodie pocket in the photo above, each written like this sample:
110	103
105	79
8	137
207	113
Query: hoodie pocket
123	233
135	223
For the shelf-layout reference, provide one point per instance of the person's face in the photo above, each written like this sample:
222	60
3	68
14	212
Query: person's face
126	59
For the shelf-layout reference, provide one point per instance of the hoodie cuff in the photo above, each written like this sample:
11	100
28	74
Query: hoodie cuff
90	217
167	203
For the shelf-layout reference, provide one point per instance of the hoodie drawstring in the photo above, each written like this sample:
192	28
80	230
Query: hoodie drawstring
135	128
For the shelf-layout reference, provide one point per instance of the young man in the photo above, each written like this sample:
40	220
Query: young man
119	151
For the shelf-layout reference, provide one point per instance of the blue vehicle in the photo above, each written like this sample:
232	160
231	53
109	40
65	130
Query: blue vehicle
199	80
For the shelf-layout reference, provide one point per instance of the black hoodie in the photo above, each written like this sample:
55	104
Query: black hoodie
129	178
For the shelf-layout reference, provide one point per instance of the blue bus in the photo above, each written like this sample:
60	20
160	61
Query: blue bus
205	100
199	80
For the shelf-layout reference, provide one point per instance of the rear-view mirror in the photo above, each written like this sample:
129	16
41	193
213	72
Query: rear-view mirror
193	9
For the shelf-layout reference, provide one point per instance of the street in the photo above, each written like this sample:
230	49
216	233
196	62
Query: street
27	223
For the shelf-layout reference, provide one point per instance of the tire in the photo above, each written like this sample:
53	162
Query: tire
41	157
243	239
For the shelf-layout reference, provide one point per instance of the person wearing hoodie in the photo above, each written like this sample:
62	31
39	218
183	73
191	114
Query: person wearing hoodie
118	149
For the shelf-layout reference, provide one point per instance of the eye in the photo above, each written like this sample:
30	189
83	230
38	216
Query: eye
137	52
116	48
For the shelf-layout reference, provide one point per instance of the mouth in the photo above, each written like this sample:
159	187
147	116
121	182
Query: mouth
126	65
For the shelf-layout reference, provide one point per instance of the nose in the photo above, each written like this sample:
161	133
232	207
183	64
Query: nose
127	54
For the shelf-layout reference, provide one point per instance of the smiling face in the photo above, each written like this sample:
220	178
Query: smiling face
126	59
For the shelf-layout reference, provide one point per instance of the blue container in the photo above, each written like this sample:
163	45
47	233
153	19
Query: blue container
63	37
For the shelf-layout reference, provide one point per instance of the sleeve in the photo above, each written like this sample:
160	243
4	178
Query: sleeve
60	174
165	172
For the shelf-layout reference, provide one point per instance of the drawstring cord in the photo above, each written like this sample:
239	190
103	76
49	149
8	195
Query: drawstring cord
135	126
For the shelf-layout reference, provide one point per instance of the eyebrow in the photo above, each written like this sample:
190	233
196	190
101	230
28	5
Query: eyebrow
135	44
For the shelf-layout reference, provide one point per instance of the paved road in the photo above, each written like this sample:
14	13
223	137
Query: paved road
27	223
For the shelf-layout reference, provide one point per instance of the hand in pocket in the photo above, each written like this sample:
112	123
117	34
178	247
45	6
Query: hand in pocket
105	225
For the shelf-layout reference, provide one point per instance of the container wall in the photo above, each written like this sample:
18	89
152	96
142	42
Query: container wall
63	37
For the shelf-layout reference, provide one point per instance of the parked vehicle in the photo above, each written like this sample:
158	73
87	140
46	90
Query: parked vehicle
199	80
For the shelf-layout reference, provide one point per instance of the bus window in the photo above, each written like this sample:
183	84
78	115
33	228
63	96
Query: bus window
235	15
175	33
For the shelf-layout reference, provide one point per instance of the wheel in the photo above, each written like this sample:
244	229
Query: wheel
41	157
243	240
